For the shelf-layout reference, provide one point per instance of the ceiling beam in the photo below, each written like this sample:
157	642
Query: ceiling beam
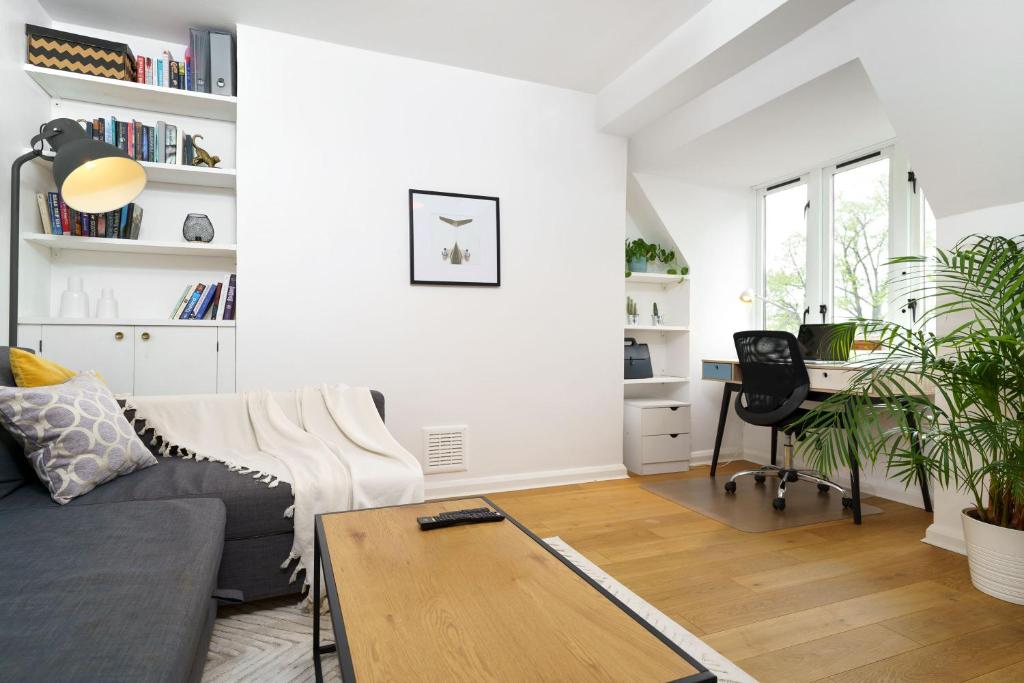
718	42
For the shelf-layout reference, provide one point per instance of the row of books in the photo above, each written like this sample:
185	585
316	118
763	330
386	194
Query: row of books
201	301
208	52
161	144
58	218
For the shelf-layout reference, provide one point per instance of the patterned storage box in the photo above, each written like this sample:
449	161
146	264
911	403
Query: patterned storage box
80	54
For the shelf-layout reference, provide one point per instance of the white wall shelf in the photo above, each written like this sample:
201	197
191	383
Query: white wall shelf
123	246
662	279
657	380
179	174
125	322
72	86
656	328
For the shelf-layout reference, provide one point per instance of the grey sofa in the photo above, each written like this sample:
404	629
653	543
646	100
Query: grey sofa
119	584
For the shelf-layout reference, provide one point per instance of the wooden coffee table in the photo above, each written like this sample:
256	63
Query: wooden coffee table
474	603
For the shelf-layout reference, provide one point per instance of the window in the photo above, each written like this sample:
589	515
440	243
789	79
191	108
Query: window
860	240
825	239
785	254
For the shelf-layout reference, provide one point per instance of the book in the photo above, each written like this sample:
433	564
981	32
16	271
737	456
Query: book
149	71
181	75
110	130
171	144
204	305
140	69
123	223
45	222
229	299
161	73
185	297
86	225
136	226
130	136
172	74
199	43
215	306
159	146
144	134
181	302
65	216
189	81
193	301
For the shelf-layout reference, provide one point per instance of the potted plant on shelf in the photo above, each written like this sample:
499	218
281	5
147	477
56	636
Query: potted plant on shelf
959	394
638	254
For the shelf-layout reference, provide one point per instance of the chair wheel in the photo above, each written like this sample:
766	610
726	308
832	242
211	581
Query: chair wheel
779	503
730	487
824	488
759	478
847	502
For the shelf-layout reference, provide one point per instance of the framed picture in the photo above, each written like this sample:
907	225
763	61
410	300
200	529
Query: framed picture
454	239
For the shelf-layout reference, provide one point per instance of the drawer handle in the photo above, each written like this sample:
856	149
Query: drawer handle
673	435
119	336
673	408
145	336
824	374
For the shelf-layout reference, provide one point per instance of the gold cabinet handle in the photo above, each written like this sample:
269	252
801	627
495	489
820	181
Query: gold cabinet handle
119	336
145	336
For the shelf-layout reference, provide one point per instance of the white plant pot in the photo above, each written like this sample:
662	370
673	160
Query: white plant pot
996	558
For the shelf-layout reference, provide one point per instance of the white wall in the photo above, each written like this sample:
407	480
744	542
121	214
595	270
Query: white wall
26	107
330	140
713	228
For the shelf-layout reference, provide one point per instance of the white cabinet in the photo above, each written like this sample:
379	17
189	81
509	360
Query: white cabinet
656	436
142	359
175	360
107	349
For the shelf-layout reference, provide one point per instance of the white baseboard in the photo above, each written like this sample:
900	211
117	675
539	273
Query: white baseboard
945	538
704	457
449	488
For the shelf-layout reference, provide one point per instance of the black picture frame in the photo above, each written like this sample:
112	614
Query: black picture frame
412	240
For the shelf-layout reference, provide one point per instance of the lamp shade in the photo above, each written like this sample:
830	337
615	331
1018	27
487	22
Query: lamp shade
92	176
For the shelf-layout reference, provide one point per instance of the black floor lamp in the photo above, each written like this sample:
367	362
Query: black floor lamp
91	177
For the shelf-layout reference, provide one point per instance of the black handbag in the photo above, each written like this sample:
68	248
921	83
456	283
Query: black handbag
637	360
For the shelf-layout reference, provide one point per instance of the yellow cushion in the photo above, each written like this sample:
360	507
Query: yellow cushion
30	370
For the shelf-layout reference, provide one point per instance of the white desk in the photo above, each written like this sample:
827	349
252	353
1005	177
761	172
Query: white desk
827	377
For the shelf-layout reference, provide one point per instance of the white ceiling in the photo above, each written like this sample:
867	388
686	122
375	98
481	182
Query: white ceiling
578	44
826	118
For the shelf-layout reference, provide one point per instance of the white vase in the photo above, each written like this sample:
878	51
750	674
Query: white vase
106	307
996	557
74	302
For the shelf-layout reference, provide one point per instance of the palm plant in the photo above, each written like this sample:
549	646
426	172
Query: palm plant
959	394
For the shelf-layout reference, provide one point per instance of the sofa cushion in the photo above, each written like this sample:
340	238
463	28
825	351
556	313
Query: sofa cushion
30	370
14	467
253	508
74	434
107	592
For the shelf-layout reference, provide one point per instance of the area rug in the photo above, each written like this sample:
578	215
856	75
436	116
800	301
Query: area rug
272	640
750	508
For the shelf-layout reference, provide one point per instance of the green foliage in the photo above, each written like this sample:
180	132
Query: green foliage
639	249
960	393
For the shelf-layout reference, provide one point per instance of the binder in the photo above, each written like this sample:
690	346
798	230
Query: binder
222	63
199	41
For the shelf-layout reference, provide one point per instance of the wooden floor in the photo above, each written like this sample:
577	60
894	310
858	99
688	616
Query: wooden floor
828	602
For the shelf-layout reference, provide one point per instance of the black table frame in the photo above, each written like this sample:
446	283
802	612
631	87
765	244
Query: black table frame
732	387
322	561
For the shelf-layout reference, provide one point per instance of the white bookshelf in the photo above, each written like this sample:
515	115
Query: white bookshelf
657	379
662	279
122	246
72	86
124	322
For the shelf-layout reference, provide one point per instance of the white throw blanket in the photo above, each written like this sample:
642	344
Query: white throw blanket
328	442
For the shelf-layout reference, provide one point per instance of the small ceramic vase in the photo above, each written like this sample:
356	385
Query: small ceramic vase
74	302
197	228
106	307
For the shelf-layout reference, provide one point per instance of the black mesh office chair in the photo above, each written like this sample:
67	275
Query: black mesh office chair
775	383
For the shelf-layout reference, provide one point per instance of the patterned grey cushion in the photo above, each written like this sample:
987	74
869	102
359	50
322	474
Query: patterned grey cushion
74	434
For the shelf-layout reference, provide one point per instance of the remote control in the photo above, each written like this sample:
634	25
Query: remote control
454	517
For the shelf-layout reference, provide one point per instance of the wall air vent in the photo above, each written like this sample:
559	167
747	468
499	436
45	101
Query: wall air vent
444	449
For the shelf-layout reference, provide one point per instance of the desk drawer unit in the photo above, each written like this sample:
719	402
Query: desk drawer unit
656	436
665	448
669	420
717	371
830	379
